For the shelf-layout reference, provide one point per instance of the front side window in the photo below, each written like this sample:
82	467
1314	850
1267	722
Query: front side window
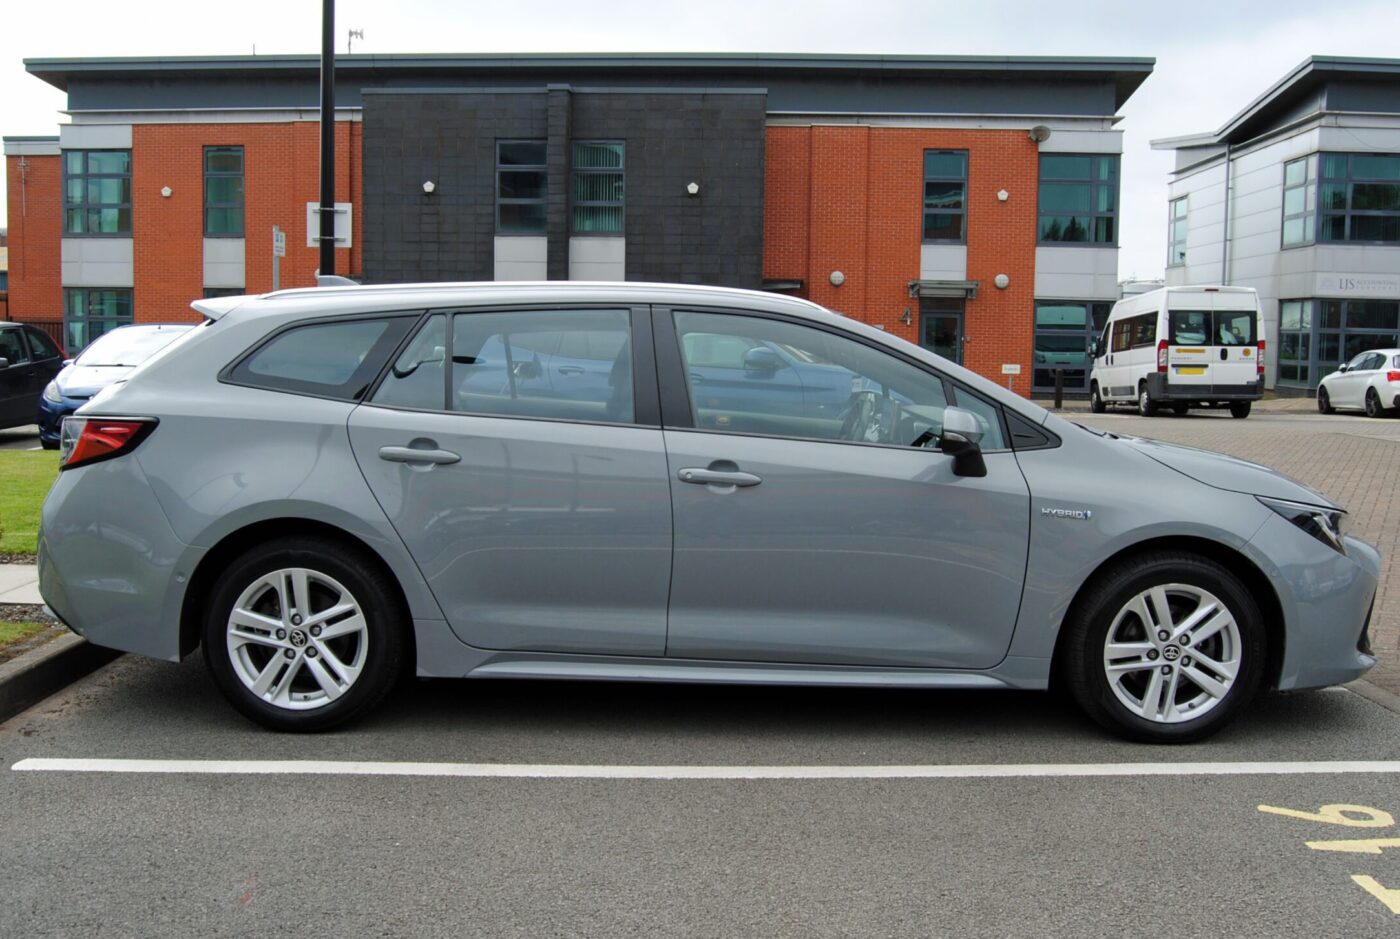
1078	198
97	192
573	365
1299	201
328	360
1176	232
599	188
1359	196
223	192
12	347
88	312
522	187
945	195
41	345
806	383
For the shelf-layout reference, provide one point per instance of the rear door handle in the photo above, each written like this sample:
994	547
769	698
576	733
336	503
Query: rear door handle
413	455
709	477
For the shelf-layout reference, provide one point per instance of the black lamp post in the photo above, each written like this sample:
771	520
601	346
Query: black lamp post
327	213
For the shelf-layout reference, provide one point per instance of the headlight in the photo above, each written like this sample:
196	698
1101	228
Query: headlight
1324	524
51	393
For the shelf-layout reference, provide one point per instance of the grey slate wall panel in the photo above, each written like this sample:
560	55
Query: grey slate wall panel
672	139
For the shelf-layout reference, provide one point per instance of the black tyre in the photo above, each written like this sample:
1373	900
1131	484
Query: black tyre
1180	409
1095	401
1240	409
1324	402
1373	404
303	634
1126	676
1146	406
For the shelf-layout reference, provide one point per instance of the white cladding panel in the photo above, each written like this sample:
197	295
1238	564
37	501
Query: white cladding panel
521	257
97	262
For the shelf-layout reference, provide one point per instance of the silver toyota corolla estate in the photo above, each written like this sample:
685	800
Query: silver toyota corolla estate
326	488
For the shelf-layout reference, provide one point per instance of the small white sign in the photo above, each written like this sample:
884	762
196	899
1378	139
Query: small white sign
279	242
1010	369
342	224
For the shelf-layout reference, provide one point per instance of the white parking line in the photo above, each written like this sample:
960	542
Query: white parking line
588	771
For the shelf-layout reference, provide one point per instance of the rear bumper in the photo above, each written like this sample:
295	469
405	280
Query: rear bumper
1159	389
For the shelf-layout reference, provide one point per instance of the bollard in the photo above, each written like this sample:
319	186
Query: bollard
1059	388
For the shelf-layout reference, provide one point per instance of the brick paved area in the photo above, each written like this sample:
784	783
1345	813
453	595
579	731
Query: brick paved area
1353	460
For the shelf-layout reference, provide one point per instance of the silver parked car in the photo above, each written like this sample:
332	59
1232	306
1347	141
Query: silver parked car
327	488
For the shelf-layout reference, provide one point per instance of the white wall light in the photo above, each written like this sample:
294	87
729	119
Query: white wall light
1003	195
1002	281
165	191
692	189
837	278
429	186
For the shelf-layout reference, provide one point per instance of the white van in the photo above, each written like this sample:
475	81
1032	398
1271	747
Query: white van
1182	348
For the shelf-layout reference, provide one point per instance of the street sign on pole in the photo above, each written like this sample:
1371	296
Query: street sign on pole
279	251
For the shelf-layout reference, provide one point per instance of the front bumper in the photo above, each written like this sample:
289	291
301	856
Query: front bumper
51	416
1326	598
1159	389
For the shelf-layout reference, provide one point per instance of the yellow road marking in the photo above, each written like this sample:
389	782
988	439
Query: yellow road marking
1361	846
1338	814
1387	895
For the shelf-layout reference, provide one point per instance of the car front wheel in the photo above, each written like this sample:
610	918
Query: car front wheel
1166	648
1095	400
1146	406
1324	402
304	634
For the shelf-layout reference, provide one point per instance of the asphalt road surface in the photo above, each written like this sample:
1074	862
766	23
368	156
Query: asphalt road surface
20	438
235	849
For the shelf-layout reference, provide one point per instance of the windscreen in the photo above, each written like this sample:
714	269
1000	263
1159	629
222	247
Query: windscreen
128	347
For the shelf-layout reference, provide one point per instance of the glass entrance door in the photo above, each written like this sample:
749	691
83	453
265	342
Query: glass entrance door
942	327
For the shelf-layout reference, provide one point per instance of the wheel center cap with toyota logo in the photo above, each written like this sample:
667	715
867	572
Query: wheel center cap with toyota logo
298	638
1170	653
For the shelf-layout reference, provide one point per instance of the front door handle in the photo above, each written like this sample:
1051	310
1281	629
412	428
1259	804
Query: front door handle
570	370
414	455
709	477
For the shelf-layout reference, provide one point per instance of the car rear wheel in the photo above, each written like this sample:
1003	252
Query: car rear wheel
1240	409
1146	406
304	634
1324	402
1373	404
1095	401
1165	648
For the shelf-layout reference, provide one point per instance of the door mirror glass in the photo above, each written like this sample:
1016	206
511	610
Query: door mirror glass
762	359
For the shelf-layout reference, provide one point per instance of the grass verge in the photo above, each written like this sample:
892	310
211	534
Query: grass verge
11	633
25	478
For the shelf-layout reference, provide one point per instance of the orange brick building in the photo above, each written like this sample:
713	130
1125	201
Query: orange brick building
967	204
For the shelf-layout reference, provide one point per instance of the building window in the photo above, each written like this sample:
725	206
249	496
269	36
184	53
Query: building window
1360	197
4	281
1078	198
211	293
945	195
1299	202
1315	336
97	192
522	187
223	192
599	187
1176	233
88	312
1063	329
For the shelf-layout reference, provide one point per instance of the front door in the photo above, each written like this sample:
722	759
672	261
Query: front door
532	497
829	537
942	331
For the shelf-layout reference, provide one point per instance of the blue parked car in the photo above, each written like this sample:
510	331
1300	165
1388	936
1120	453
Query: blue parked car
107	359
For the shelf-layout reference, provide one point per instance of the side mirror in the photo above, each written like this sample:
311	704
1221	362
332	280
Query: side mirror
4	362
1093	348
961	439
1341	368
68	362
762	359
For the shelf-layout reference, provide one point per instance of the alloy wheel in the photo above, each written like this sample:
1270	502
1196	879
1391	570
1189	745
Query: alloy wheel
1172	653
297	639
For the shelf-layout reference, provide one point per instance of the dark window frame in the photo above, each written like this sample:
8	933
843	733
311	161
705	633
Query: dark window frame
543	200
72	317
83	206
1093	214
241	204
577	173
961	212
1349	213
1309	213
1094	311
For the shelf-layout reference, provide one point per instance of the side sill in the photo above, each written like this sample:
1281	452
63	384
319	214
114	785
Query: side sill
701	672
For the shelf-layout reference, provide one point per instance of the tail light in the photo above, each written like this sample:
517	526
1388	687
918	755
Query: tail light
1259	362
87	440
1161	355
1392	375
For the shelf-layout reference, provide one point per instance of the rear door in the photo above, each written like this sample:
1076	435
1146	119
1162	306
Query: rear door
827	537
1236	351
538	510
1190	353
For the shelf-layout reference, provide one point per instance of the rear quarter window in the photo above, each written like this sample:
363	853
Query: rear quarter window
329	359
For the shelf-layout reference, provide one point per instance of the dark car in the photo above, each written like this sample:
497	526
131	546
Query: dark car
108	358
28	360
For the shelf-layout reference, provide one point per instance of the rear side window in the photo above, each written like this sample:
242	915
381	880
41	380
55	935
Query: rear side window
1144	330
1190	327
328	360
43	346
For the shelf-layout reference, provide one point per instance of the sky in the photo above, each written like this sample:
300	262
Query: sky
1213	56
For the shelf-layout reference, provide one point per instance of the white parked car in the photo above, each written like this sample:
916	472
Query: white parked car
1369	382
